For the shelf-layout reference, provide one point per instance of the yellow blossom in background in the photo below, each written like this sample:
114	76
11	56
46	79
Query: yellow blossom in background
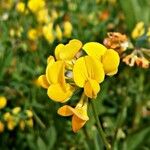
48	32
54	15
16	110
32	34
59	33
138	30
42	16
7	4
79	113
30	122
7	116
2	127
20	7
22	124
29	113
3	102
11	124
12	32
67	29
36	5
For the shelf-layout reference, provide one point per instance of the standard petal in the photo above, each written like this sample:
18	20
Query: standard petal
65	111
43	81
94	49
94	69
77	123
70	50
110	62
91	88
57	93
80	74
55	72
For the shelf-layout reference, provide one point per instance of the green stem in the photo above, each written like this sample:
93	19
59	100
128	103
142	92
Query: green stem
99	127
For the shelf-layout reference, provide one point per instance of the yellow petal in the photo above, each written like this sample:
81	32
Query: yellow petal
77	123
94	49
43	81
68	51
91	88
80	74
110	62
94	68
55	72
50	59
57	93
59	49
65	111
87	67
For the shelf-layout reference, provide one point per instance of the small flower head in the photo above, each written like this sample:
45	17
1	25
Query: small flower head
116	41
138	30
20	7
35	5
67	29
79	113
3	102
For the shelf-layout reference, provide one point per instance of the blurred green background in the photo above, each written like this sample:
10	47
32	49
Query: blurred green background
123	103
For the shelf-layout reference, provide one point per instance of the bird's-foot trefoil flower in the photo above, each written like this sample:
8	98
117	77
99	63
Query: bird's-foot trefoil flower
79	113
54	81
108	57
88	73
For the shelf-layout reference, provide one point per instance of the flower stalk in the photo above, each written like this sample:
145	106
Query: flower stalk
99	127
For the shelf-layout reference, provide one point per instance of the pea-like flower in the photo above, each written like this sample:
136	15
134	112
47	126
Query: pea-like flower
108	57
54	81
88	73
79	113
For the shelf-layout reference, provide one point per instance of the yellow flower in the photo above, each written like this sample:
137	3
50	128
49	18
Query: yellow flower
42	16
79	113
54	81
67	29
36	5
3	102
58	33
16	110
138	30
68	51
32	34
29	113
1	127
88	73
30	122
7	116
22	124
54	15
110	62
48	32
108	57
20	7
11	123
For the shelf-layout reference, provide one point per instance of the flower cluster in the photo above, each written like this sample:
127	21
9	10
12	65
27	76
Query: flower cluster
78	66
46	25
140	53
15	117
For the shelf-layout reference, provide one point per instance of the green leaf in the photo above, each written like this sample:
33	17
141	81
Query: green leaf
134	140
